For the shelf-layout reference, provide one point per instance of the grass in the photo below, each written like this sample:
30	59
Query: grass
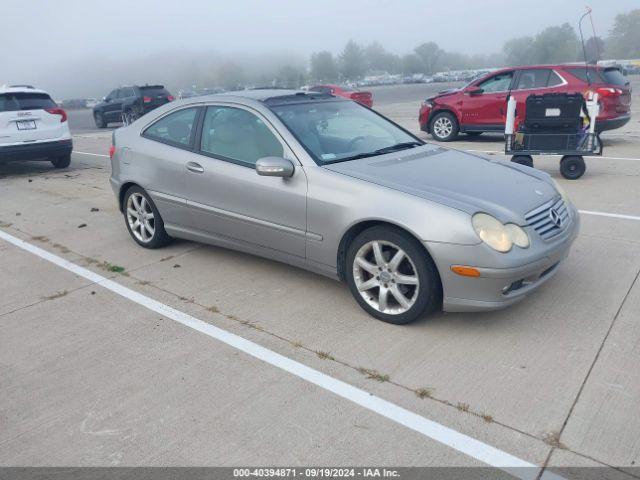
296	343
213	309
463	407
40	238
374	375
553	439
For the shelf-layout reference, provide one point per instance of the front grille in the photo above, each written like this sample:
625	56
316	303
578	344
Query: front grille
545	221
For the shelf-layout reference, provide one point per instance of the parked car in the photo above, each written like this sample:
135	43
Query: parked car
363	97
90	103
480	106
33	127
134	100
328	185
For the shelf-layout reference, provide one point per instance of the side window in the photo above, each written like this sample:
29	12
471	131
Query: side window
554	79
535	78
113	94
120	93
175	129
497	83
238	135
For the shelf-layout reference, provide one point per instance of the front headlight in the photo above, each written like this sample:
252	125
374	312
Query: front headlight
518	236
492	232
498	236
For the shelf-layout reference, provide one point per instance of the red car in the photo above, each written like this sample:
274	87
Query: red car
364	98
480	106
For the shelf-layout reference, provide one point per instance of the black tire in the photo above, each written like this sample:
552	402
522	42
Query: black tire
61	162
160	238
99	119
526	160
474	134
429	290
572	167
446	118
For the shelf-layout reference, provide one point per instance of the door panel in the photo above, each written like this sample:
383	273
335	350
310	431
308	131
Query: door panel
487	109
226	195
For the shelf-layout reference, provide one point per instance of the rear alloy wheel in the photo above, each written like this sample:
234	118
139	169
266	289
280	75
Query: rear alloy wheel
61	162
391	276
143	219
526	160
99	119
444	127
572	167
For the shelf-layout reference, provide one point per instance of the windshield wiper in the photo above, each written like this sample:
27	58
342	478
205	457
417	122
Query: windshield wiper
397	146
380	151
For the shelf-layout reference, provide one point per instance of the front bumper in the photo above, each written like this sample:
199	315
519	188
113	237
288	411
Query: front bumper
36	150
506	284
612	123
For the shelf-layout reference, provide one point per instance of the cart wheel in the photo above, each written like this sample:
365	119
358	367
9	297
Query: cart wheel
526	160
572	167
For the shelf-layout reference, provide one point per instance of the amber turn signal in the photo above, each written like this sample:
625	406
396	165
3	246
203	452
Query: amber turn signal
465	271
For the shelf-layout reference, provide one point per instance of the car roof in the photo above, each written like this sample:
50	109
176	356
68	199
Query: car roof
271	96
20	89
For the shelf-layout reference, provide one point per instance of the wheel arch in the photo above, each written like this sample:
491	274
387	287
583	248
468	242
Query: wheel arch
123	189
354	230
444	109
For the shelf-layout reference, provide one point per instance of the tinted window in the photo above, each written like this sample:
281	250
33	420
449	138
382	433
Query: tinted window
322	89
176	128
581	73
497	83
614	77
10	102
153	91
535	78
239	135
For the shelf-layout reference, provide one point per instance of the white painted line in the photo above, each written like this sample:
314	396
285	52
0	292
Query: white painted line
501	152
433	430
88	153
611	215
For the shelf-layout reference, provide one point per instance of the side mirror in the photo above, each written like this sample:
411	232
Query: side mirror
106	99
275	167
474	90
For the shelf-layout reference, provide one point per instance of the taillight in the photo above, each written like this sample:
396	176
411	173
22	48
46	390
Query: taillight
112	151
58	111
170	98
146	99
608	91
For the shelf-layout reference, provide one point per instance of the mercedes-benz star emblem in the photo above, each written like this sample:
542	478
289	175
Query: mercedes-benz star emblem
555	217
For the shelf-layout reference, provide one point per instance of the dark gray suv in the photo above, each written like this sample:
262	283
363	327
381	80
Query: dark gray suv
126	104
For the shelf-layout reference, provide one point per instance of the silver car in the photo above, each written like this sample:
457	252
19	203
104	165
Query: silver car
328	185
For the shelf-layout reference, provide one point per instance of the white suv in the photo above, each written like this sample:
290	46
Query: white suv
33	127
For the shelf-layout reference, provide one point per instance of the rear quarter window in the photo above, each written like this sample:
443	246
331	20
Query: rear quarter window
11	102
615	77
581	74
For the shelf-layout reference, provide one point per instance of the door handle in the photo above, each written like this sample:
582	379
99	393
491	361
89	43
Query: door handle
195	167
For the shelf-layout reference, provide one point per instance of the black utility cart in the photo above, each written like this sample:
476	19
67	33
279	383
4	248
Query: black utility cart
554	124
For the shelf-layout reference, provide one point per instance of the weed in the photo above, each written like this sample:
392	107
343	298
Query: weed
374	375
213	309
324	355
56	295
463	407
486	417
424	393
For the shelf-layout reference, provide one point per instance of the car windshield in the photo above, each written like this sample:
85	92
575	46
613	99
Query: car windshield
337	131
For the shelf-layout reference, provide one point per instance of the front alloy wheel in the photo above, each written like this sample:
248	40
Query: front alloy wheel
444	127
385	277
391	275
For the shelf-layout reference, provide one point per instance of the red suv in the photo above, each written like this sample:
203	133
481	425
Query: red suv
480	106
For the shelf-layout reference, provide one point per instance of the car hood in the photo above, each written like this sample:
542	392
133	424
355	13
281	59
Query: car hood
470	183
445	93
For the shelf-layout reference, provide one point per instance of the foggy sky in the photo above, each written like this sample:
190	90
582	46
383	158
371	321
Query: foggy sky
48	41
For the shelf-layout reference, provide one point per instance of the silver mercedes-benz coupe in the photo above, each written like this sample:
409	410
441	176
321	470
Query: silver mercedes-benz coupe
328	185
